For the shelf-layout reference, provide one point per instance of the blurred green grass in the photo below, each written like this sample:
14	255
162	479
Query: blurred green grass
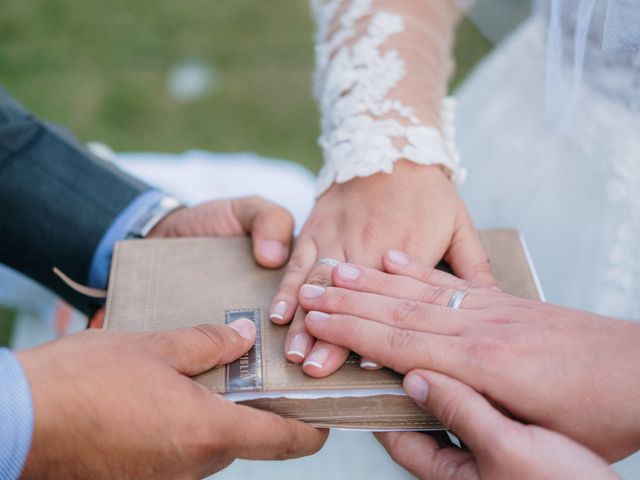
101	69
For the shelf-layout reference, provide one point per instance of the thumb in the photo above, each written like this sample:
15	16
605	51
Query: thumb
197	349
270	226
467	257
458	407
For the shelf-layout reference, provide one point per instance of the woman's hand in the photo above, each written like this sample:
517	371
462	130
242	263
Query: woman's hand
270	225
500	448
566	370
416	209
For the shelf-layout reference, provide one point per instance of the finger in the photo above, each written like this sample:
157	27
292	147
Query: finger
400	263
285	301
270	226
253	434
398	286
399	349
467	257
367	364
406	314
423	457
197	349
298	343
458	407
324	358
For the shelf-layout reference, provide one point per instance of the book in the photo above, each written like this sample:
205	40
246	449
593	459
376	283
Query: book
171	283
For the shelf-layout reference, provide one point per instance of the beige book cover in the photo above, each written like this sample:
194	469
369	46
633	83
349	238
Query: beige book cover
164	284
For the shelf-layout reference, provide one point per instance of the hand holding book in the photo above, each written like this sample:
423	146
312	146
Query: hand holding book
111	405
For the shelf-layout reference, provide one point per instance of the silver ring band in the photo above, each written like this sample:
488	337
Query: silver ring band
331	262
456	299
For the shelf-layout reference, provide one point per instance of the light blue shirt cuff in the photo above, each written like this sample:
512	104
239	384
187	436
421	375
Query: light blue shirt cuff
121	226
16	416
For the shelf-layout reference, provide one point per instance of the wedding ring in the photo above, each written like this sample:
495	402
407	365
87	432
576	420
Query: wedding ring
456	299
332	262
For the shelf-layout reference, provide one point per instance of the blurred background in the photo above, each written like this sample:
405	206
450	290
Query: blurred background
174	75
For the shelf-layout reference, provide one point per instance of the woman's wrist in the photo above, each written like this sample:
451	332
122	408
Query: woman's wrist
405	174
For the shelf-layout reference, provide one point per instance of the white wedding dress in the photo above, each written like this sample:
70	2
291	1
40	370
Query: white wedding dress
575	195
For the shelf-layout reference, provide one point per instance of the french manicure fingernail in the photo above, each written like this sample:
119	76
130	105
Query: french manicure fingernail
317	357
399	258
318	317
299	346
244	327
273	250
279	310
416	387
368	365
311	291
348	272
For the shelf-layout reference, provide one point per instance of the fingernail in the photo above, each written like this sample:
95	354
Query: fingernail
416	387
399	258
311	291
279	310
317	357
244	327
368	365
299	346
318	316
273	250
348	272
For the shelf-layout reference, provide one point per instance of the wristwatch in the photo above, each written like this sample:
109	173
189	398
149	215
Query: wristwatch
166	205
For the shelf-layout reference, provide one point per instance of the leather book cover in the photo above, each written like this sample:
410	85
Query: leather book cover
171	283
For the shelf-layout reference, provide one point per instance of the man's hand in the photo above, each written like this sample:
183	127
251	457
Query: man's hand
416	208
500	448
270	225
118	405
566	370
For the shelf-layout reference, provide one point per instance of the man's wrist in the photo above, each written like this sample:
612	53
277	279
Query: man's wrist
153	216
135	221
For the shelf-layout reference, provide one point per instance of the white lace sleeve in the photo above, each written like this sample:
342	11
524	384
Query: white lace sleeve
381	76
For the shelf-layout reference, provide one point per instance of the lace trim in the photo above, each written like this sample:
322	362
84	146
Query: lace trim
353	80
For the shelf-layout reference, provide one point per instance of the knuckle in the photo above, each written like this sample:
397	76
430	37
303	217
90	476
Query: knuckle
214	339
288	445
484	351
404	311
428	294
318	277
400	339
338	299
386	282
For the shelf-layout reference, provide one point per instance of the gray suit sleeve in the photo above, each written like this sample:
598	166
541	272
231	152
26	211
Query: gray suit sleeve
56	200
